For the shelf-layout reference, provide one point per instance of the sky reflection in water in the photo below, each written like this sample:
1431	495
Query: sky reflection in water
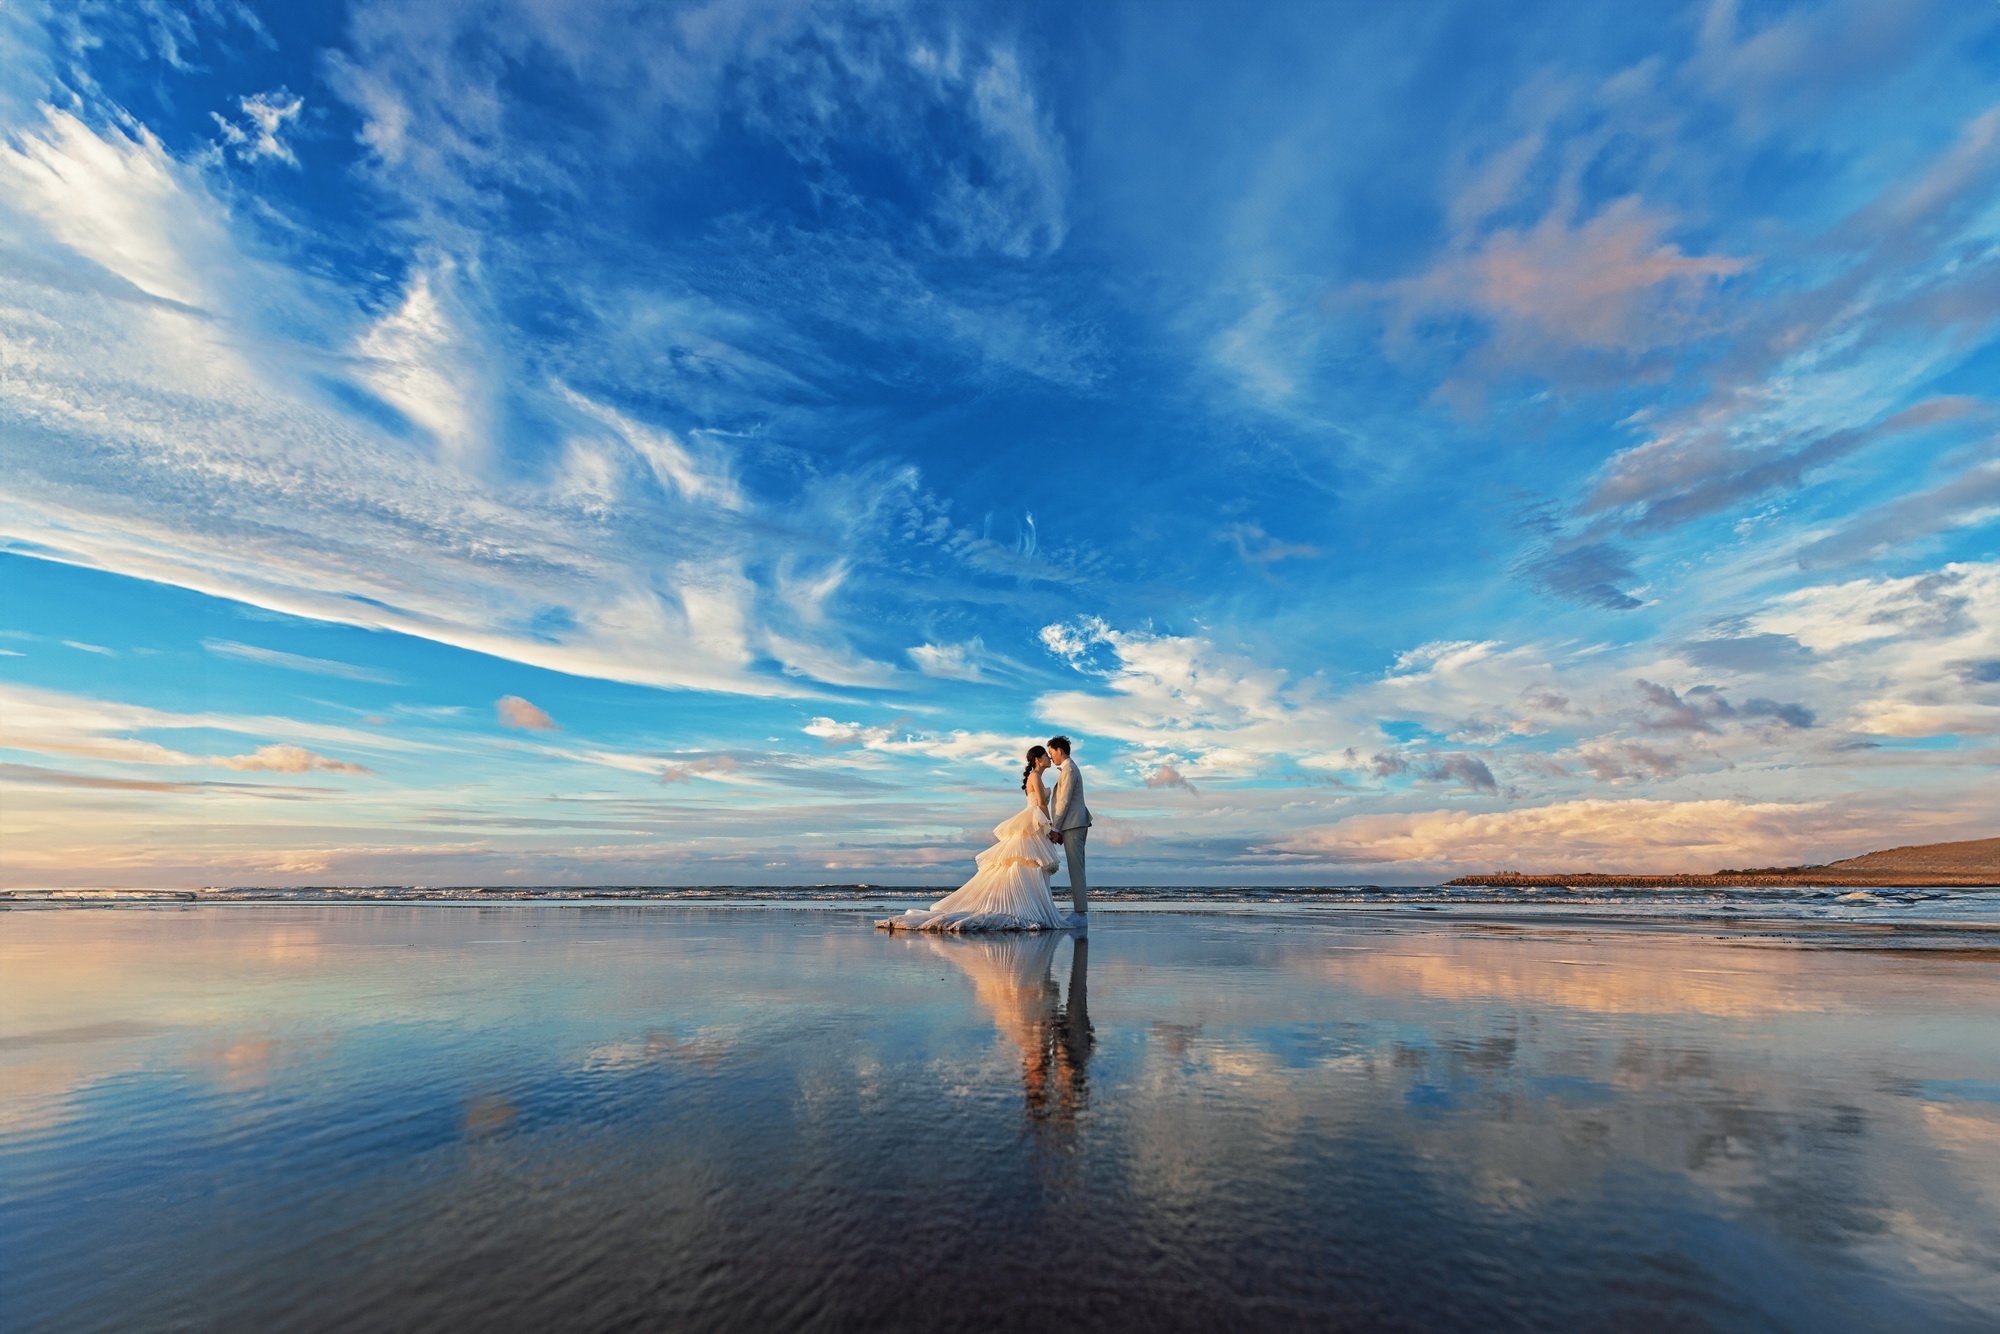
535	1117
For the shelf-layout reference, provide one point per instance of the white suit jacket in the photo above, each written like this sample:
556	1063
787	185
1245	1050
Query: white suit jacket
1066	808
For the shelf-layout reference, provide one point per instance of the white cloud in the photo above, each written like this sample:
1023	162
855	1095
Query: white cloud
1441	658
1894	649
1827	617
1533	722
119	200
1264	350
670	462
49	722
817	662
420	359
265	118
205	451
1017	207
635	478
429	86
1071	640
957	745
951	662
1183	693
1891	717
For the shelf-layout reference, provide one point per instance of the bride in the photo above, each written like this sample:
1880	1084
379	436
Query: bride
1010	892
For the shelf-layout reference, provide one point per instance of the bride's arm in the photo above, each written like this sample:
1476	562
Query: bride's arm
1041	795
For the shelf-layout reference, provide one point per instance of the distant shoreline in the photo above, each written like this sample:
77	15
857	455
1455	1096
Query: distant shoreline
1798	879
1968	864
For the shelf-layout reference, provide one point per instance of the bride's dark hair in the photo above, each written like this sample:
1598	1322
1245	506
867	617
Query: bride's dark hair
1034	753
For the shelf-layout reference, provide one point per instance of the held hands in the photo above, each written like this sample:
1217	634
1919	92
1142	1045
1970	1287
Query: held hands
1055	835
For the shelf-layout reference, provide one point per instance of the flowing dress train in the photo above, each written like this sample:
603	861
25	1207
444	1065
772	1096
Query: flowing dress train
1010	891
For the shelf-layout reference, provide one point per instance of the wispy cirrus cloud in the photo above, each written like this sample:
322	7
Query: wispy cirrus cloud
948	368
392	538
428	85
1673	479
1970	498
956	744
954	662
277	758
1257	548
1790	406
296	662
56	722
640	533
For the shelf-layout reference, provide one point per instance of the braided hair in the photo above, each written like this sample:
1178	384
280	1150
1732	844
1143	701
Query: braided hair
1034	753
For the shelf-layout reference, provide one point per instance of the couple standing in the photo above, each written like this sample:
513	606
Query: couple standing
1010	891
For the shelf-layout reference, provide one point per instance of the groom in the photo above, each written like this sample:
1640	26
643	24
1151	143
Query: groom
1071	821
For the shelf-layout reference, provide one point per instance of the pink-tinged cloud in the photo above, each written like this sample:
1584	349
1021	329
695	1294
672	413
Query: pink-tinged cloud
1636	836
1564	288
290	760
1638	974
711	766
1593	285
517	713
1902	719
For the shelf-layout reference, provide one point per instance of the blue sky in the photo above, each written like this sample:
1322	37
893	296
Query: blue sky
507	443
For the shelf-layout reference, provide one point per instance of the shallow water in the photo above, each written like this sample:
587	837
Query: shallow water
1840	903
542	1116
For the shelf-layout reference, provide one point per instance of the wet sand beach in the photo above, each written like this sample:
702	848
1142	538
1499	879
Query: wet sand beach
547	1116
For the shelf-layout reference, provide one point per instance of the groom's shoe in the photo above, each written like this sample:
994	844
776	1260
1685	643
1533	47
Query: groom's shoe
1079	922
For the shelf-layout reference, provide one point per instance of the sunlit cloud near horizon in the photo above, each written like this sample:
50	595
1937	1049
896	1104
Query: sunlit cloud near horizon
705	443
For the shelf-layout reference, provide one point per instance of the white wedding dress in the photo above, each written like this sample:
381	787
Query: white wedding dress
1010	892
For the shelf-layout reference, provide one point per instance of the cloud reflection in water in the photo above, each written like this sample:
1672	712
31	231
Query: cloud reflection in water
401	1115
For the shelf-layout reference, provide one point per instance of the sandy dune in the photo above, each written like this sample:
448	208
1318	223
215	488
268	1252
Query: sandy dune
1974	862
1977	856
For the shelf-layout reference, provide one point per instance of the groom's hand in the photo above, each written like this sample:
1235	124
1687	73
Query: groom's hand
1055	835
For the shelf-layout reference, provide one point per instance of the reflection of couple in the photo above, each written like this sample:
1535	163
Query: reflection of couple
1010	891
1013	977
